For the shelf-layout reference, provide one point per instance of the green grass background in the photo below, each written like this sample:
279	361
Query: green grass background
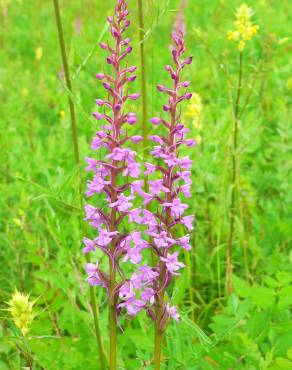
40	231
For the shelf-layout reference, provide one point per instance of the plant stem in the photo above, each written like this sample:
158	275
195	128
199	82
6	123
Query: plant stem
158	337
112	320
143	74
190	284
234	180
77	161
67	78
96	324
157	347
28	352
144	97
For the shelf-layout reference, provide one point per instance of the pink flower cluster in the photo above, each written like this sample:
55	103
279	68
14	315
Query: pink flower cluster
171	180
112	176
118	176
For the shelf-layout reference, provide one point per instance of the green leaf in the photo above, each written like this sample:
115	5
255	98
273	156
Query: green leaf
242	288
263	297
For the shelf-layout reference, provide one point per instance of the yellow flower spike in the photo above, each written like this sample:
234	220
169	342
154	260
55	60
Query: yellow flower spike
62	114
244	29
21	310
38	53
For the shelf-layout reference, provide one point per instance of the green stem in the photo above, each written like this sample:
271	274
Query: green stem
96	324
191	286
67	78
234	180
112	321
158	337
244	238
112	285
77	160
157	348
28	354
144	97
143	74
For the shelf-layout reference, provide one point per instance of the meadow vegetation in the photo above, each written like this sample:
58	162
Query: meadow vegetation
235	294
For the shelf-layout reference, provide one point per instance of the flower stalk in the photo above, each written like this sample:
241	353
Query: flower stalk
112	176
171	179
143	74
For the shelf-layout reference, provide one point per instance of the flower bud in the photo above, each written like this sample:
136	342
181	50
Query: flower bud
128	50
185	84
115	32
134	96
131	78
97	115
190	142
188	60
117	107
155	120
107	86
103	45
100	76
127	23
179	127
131	119
109	60
188	96
99	102
161	88
136	138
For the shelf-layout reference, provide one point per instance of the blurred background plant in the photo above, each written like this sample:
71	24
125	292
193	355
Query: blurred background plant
21	310
40	210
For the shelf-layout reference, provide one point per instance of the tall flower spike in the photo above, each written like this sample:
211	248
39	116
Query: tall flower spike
112	175
174	183
171	181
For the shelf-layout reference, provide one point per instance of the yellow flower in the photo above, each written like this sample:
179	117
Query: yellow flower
38	53
21	311
244	29
62	113
195	110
